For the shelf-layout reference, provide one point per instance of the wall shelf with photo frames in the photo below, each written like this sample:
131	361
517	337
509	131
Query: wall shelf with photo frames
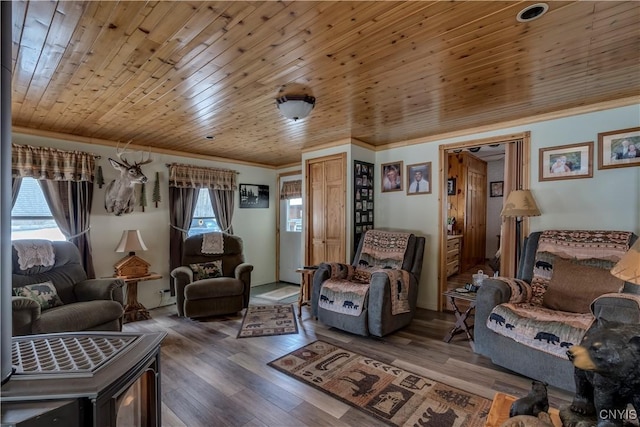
362	200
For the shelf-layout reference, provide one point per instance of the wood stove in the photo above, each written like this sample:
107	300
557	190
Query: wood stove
99	379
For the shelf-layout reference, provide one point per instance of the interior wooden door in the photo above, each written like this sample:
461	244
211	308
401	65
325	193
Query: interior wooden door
475	223
326	192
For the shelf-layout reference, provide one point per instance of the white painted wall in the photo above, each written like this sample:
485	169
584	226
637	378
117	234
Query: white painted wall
609	200
256	227
495	172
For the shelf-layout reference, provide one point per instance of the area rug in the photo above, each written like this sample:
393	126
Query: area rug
391	394
281	293
265	320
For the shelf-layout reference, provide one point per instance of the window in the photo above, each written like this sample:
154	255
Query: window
204	220
294	215
31	217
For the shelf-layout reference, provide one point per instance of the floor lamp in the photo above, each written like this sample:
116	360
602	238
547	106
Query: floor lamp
628	268
520	204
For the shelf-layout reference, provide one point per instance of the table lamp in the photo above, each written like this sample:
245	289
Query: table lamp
131	266
628	268
520	204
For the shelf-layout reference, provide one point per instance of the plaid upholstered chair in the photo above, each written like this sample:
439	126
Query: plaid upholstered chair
377	293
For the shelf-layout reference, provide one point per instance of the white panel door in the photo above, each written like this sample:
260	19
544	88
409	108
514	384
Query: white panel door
291	216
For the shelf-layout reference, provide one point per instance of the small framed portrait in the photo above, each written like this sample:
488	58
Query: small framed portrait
391	177
451	187
572	161
419	178
496	188
619	148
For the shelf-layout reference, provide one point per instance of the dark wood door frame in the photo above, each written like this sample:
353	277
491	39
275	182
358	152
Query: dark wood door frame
444	149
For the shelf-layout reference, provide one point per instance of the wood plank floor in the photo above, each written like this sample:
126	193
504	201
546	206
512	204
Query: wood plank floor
210	378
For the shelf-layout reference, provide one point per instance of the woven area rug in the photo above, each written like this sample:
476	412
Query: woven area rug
265	320
391	394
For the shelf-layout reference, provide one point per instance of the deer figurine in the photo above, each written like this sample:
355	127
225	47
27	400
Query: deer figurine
119	196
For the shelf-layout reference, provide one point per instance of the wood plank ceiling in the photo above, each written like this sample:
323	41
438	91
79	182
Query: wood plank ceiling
167	74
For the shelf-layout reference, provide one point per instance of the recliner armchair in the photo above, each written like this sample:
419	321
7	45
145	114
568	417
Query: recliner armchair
376	317
520	328
88	304
226	294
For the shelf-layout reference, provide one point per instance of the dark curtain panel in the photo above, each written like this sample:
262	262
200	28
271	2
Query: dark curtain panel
223	202
182	204
70	204
15	189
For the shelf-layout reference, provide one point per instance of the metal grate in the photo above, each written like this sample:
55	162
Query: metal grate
77	355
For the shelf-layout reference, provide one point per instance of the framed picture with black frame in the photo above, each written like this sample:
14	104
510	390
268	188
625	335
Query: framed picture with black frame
362	199
496	188
254	196
451	187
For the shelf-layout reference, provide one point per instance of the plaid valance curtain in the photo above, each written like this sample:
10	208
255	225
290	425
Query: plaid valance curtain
51	164
291	190
187	176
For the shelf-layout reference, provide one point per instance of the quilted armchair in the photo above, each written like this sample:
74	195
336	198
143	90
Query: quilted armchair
377	293
526	324
213	282
59	297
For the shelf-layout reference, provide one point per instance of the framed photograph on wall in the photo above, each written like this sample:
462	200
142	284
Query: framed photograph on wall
419	179
391	179
572	161
496	188
451	187
619	148
254	196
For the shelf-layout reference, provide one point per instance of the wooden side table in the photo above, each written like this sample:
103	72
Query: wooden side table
133	310
305	287
461	317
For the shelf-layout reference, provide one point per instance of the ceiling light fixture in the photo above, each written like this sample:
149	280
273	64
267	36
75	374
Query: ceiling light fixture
532	12
296	106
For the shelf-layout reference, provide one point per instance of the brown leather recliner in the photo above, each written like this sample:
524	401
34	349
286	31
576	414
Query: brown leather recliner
226	294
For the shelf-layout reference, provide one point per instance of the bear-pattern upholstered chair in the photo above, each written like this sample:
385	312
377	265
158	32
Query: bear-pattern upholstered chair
211	284
369	310
60	298
527	324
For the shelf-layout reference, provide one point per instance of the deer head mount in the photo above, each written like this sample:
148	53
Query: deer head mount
120	196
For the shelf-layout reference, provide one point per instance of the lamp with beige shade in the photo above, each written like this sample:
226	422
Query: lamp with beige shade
131	266
520	204
628	268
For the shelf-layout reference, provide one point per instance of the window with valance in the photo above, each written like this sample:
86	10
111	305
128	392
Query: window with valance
51	164
187	176
291	190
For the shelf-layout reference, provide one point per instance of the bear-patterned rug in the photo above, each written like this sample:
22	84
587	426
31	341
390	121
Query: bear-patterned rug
391	394
265	320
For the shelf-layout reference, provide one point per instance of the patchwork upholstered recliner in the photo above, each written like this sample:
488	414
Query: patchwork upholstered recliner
52	292
213	279
527	324
375	295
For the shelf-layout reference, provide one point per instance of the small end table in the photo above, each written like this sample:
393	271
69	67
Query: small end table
133	310
305	287
461	317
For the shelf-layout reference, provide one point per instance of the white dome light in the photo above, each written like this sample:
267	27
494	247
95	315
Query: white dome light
296	106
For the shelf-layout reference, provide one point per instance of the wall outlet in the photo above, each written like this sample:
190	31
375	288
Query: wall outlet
166	298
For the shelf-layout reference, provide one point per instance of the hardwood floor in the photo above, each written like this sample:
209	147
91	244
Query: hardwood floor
210	378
